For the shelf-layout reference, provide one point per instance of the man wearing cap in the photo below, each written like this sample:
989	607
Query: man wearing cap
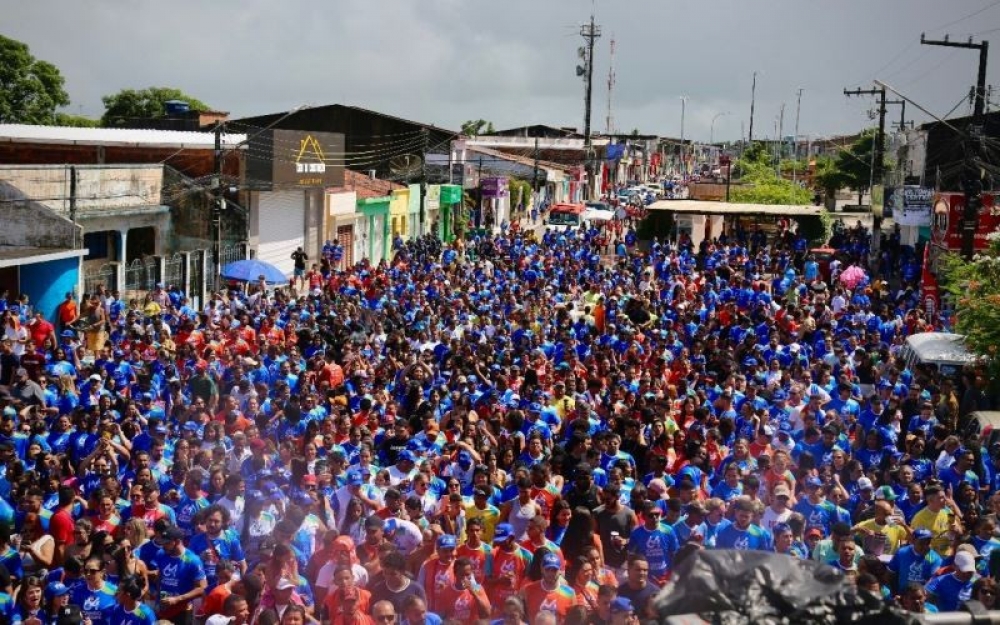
915	563
949	590
436	574
510	564
817	510
549	594
180	578
482	509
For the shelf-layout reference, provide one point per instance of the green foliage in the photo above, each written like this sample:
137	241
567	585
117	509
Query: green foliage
78	121
520	191
827	177
30	90
817	229
761	185
975	289
149	103
474	127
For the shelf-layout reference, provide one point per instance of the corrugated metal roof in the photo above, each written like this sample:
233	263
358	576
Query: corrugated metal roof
727	208
129	137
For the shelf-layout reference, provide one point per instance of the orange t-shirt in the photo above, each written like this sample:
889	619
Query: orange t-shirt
332	602
461	605
557	601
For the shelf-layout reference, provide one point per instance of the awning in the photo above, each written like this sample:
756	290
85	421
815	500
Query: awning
702	207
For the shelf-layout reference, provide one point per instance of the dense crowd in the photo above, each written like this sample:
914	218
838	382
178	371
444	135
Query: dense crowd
505	430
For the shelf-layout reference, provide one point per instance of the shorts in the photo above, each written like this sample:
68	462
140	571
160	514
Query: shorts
299	272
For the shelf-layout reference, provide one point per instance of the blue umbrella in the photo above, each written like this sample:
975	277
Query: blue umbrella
251	270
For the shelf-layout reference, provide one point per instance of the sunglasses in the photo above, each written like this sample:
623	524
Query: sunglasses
92	571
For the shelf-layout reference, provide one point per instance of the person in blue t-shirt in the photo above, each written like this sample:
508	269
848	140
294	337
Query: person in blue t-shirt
818	512
742	534
949	590
96	597
180	577
216	544
915	563
655	540
130	611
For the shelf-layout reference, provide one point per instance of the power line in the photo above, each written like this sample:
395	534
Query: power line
970	15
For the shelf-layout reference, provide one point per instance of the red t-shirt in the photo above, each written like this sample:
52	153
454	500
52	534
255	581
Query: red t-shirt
61	527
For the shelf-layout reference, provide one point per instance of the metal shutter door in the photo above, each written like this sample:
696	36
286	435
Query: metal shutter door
282	228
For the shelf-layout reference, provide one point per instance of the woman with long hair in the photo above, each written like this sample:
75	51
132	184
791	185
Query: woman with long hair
580	535
30	600
581	576
559	519
353	523
120	562
37	547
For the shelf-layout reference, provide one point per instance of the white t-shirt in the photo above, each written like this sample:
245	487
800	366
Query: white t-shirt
770	518
324	579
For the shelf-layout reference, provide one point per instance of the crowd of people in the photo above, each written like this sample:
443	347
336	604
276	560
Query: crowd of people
514	430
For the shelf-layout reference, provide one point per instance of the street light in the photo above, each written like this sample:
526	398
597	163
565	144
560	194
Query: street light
711	132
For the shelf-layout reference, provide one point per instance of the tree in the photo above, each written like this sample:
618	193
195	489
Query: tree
974	288
30	89
149	103
79	121
474	127
761	185
852	167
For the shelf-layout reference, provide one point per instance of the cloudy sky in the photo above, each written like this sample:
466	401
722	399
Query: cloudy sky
512	62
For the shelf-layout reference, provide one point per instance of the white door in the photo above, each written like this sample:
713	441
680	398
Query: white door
282	228
378	246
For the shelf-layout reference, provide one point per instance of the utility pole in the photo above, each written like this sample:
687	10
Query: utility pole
753	100
591	33
972	177
423	178
608	125
795	139
72	201
218	200
781	135
878	163
534	176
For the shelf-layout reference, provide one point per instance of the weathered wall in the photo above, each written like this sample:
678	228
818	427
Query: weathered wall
31	224
97	188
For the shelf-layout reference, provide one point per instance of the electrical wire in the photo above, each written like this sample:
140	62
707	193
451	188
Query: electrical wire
970	15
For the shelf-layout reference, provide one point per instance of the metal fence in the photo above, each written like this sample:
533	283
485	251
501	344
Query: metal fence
194	272
105	275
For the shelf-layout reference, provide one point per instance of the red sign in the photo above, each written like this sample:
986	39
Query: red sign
949	214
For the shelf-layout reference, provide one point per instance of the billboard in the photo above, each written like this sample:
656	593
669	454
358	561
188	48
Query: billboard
295	158
911	206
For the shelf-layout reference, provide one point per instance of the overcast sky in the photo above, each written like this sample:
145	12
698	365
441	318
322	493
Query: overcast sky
512	62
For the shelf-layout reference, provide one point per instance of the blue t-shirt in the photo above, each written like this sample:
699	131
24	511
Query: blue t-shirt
142	615
178	574
911	567
753	537
821	515
213	550
658	545
949	591
97	605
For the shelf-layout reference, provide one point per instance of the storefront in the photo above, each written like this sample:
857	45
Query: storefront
290	169
371	230
450	212
340	217
495	201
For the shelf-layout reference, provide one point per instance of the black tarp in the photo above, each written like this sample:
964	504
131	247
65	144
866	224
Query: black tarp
735	587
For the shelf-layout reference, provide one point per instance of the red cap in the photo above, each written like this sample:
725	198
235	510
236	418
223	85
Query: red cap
258	444
309	479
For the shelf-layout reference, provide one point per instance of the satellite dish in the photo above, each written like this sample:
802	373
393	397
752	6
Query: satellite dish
580	71
406	164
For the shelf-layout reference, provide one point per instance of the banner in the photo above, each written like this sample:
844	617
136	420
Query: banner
913	206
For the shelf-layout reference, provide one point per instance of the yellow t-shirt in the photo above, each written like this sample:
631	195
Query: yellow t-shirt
490	516
894	536
939	524
564	406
